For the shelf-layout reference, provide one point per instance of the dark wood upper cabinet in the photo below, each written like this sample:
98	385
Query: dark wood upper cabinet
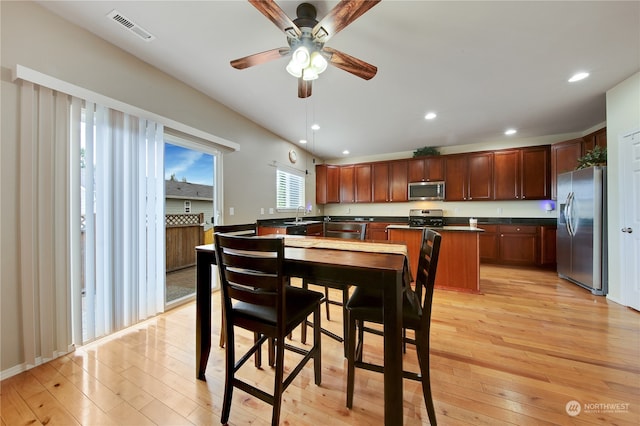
480	181
363	183
564	158
398	181
536	173
469	177
327	184
565	155
597	138
522	174
347	184
380	181
426	169
455	178
507	174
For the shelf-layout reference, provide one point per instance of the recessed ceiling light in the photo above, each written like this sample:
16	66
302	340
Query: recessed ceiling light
315	127
345	152
510	132
578	76
303	141
430	115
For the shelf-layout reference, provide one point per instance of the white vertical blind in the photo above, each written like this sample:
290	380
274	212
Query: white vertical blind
124	236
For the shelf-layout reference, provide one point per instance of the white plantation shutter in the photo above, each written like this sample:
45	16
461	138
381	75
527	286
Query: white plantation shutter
290	189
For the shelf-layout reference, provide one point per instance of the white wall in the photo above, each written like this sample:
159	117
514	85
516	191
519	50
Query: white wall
623	116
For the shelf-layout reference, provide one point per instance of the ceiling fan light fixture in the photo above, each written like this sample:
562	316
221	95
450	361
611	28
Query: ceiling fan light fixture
318	62
301	57
309	74
294	69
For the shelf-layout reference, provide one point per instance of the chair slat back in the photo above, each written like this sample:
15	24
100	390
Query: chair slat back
347	230
426	274
251	269
245	229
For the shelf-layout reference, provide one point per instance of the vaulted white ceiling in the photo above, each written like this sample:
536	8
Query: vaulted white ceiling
481	66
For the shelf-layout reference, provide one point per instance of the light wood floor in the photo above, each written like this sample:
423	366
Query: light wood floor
517	354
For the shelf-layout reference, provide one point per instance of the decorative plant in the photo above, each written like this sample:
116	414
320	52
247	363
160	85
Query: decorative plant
596	157
427	150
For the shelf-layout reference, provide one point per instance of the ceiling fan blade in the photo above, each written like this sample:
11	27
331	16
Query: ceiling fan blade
260	58
350	64
304	88
272	11
340	16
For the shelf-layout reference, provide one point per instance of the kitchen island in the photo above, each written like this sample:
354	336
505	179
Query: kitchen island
459	260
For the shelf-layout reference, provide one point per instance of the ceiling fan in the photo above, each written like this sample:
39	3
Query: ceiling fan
306	38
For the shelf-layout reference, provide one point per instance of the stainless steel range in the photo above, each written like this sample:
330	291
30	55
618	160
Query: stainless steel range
426	217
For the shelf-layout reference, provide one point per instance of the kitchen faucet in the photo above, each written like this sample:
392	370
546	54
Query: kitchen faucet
299	219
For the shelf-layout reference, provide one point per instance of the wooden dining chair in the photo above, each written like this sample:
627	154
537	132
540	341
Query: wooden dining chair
247	230
366	306
257	298
344	230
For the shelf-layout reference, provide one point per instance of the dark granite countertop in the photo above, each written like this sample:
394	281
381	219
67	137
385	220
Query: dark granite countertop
449	221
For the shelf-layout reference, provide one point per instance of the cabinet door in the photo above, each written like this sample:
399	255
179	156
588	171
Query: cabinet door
506	177
535	175
601	137
327	184
597	138
377	231
363	183
519	244
564	158
489	244
548	245
347	184
455	178
380	180
426	169
434	169
321	184
480	176
416	170
398	183
316	229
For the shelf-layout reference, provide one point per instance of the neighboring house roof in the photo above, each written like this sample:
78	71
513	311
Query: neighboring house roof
187	191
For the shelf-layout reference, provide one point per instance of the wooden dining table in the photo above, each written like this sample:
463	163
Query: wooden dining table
375	269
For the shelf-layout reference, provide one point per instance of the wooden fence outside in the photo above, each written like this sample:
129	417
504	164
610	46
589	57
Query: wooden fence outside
183	233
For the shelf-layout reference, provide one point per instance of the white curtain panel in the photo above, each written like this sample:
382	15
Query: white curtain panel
123	184
44	224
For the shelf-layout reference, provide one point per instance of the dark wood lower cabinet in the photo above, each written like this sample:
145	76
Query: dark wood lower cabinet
524	245
519	244
489	244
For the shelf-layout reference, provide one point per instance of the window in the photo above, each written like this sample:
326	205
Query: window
187	206
289	190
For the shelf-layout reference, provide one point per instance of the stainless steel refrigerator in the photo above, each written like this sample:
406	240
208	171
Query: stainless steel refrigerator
582	228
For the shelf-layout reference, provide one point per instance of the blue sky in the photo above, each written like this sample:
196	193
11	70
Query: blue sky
195	166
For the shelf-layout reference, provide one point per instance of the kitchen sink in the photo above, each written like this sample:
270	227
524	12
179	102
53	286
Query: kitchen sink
303	222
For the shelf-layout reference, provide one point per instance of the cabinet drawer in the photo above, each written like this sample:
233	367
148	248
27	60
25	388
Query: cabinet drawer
518	229
488	228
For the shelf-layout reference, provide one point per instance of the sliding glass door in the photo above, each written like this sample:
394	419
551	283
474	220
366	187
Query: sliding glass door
190	211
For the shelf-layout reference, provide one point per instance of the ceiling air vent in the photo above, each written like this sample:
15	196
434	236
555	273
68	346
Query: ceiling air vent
126	23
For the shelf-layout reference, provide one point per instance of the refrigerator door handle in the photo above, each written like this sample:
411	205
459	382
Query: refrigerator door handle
567	213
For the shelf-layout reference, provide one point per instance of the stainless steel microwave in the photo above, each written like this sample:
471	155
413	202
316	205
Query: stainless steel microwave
426	190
